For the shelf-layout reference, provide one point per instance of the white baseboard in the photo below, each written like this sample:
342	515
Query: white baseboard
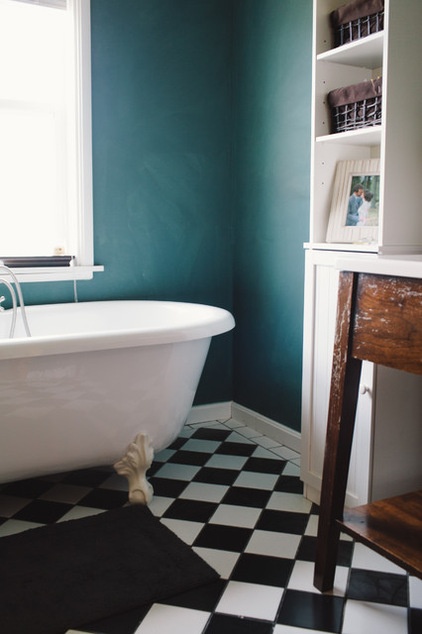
213	411
224	411
268	427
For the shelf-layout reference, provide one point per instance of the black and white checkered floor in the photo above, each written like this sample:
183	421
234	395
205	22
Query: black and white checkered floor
236	497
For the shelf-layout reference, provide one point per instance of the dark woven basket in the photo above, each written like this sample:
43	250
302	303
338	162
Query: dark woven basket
357	106
356	29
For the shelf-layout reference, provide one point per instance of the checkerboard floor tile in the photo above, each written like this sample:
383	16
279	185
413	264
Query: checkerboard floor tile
236	498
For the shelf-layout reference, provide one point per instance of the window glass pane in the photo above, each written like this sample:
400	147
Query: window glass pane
33	145
30	175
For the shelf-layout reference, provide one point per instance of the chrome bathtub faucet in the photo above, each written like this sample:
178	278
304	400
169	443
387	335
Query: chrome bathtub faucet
16	293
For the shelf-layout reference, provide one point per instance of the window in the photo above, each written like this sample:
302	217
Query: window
45	132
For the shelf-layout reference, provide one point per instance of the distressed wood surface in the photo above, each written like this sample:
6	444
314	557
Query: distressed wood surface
392	527
379	319
388	322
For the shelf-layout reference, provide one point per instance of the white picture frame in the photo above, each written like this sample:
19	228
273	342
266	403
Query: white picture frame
354	215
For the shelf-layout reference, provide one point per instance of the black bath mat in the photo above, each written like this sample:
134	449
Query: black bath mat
63	575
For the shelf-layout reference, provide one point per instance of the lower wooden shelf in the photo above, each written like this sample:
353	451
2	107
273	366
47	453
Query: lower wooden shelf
391	527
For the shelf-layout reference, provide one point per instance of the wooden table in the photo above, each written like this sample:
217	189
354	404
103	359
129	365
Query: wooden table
379	319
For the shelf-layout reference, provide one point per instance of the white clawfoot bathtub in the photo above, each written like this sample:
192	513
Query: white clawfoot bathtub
100	382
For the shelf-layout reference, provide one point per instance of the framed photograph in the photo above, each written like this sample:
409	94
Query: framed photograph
355	202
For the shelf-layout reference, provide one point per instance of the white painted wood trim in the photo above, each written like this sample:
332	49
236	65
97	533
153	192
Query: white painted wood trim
207	413
230	410
274	430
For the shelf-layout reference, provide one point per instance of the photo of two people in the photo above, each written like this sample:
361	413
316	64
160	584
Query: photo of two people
363	202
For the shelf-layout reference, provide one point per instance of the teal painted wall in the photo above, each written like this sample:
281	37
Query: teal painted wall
200	160
271	163
161	104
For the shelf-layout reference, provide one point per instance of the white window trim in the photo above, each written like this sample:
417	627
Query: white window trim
83	268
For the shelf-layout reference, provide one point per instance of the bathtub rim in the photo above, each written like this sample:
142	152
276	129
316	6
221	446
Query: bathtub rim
220	321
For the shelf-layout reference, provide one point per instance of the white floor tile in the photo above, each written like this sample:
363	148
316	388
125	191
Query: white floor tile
164	455
250	600
197	444
10	504
11	527
168	618
312	526
264	441
187	531
177	471
248	432
415	592
233	424
236	436
368	559
80	511
286	453
253	480
377	618
66	493
288	629
223	461
273	544
293	502
204	492
231	515
262	452
159	505
302	578
222	561
291	469
115	482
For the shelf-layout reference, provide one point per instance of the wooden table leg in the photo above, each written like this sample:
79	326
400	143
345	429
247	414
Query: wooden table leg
341	417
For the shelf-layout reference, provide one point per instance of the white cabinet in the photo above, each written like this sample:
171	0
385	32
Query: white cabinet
385	457
395	54
387	464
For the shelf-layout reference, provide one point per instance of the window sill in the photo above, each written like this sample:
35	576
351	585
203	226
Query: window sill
56	273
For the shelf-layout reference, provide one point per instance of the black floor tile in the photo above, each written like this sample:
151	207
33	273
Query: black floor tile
209	433
43	511
203	598
307	550
289	484
268	571
236	448
380	587
26	488
191	510
196	458
168	487
312	611
178	443
216	476
104	499
243	496
230	538
415	621
87	477
225	624
283	521
265	465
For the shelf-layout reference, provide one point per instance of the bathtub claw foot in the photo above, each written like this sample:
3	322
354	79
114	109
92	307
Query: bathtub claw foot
134	465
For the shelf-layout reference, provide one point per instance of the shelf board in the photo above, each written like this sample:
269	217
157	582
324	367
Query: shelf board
366	52
362	136
342	246
391	527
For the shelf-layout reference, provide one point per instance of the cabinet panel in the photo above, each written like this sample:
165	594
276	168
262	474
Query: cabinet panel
319	326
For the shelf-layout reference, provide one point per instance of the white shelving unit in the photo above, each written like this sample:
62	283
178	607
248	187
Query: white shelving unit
396	55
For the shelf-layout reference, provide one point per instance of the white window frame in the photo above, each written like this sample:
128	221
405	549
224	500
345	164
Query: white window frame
83	268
